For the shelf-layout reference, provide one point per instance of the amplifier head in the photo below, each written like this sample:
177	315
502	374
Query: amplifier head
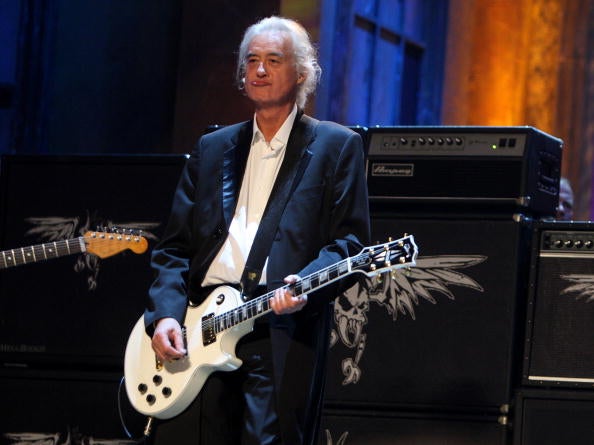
498	165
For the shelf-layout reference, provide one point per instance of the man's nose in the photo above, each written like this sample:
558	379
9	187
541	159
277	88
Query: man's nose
261	71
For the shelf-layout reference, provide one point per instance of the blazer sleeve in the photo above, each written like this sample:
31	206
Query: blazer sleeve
170	259
349	225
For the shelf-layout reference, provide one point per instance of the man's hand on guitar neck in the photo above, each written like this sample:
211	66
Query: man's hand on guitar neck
168	340
285	301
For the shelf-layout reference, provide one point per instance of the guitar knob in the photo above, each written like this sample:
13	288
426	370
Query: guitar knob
166	391
151	399
157	379
142	388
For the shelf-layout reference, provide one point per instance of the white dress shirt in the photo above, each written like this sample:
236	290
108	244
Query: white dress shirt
263	164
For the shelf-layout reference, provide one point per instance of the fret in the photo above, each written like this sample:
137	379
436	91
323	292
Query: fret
3	264
306	284
333	274
33	253
323	276
6	259
44	251
315	282
15	260
23	256
59	249
68	248
38	252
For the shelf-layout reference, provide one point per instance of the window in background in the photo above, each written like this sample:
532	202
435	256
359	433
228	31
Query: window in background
383	61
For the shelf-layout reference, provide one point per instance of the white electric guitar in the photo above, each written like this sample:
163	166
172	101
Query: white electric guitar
212	330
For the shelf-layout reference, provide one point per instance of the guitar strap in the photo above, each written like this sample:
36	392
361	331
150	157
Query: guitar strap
288	178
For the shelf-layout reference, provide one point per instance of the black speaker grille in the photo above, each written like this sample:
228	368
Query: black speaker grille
559	345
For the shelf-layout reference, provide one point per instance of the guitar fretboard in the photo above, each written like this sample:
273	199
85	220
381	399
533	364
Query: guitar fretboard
40	252
261	305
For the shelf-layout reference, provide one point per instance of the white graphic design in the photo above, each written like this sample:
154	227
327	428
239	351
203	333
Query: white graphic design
70	438
583	286
398	294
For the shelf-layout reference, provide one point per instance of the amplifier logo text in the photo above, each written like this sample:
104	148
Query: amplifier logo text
392	169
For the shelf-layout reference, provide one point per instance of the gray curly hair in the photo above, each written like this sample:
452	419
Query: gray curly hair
304	52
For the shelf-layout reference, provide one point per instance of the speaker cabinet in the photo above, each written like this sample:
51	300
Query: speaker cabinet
559	342
553	417
77	310
409	428
65	407
446	333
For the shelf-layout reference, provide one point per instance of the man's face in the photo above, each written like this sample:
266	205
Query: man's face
271	77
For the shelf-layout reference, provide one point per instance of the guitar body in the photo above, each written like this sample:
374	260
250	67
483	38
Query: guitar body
165	390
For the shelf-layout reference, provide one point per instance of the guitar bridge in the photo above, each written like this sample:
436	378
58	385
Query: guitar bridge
208	330
185	337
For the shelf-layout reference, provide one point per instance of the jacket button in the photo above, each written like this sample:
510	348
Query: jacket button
218	234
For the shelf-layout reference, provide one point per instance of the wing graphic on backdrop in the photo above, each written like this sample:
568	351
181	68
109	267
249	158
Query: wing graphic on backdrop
69	438
54	228
399	295
582	287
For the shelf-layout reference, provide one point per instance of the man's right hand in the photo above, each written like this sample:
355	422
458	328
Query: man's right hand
168	341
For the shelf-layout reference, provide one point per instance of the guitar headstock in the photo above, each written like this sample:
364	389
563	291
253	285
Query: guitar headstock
113	241
394	254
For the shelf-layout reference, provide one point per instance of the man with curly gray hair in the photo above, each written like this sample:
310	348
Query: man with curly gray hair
262	207
304	54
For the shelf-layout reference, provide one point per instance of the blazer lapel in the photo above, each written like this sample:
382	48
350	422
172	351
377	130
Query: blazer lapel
234	164
296	159
294	163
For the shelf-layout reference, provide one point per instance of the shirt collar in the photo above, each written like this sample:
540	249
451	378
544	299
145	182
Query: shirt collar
280	139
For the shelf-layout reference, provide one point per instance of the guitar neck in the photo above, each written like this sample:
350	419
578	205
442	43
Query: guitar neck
41	252
260	306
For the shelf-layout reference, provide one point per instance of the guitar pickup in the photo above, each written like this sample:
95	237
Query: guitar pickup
208	330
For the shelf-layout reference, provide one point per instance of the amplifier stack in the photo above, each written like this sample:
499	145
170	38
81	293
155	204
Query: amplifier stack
442	346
